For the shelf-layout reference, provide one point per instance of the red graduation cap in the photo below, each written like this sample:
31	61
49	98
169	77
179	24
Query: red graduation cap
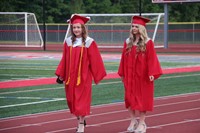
79	19
140	20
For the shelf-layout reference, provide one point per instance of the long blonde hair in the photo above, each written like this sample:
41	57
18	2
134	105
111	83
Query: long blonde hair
141	45
84	34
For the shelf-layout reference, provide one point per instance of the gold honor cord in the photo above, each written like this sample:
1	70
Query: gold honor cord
70	54
79	68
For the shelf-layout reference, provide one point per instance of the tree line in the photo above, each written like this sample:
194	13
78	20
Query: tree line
58	11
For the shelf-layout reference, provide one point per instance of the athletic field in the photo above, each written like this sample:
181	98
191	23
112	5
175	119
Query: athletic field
27	86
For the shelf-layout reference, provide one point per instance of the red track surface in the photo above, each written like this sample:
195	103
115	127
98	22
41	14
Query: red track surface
172	114
52	80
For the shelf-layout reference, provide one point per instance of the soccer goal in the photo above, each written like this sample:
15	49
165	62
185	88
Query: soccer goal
111	30
19	29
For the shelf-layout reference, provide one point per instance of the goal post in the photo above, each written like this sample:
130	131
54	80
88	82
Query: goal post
111	30
19	29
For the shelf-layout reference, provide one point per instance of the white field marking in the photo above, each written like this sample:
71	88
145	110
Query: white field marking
169	124
122	120
31	103
100	114
175	123
52	88
92	84
30	98
24	63
17	78
177	103
121	82
46	101
59	99
177	96
35	79
159	78
21	75
13	79
30	90
188	75
53	112
22	68
54	121
96	106
179	76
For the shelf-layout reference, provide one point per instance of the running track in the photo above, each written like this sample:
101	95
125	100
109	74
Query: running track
172	114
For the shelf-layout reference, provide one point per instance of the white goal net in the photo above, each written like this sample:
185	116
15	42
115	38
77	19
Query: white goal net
19	29
111	30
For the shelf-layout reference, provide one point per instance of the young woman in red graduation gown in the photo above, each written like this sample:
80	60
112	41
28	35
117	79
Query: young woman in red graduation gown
81	62
139	67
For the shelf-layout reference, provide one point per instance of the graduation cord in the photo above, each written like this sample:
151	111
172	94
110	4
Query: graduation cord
70	54
79	68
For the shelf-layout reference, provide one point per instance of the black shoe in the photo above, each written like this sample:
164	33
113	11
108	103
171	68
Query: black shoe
84	123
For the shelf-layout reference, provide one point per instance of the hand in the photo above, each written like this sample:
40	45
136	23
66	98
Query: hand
59	80
151	78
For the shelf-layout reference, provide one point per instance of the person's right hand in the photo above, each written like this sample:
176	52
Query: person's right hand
59	80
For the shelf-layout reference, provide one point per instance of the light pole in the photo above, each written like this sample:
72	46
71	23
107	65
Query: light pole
44	25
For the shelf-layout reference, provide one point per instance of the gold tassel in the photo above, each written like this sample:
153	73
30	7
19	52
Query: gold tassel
78	80
68	81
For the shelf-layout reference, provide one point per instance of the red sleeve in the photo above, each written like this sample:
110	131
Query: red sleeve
121	65
96	63
154	67
60	71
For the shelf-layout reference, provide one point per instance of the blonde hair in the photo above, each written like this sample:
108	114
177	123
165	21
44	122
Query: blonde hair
141	45
84	34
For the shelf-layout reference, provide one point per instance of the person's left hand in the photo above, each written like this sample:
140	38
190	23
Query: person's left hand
151	78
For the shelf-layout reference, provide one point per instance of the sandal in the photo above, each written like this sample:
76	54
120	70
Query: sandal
132	128
143	130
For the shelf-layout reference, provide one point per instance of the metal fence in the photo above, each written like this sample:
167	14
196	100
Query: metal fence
179	33
108	34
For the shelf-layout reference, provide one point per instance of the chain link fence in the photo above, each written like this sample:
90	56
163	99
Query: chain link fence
110	35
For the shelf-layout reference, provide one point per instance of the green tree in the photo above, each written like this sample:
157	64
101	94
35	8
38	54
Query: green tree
76	6
186	12
149	7
129	6
57	11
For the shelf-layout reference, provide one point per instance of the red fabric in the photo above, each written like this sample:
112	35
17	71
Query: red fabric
79	97
140	20
135	68
79	19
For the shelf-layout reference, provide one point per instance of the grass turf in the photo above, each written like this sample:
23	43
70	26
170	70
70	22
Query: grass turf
108	91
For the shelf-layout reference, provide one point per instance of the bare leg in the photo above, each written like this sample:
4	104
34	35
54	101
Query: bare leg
142	117
142	126
133	122
81	124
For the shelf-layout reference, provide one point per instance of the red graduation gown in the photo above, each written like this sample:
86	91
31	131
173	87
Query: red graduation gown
135	68
92	67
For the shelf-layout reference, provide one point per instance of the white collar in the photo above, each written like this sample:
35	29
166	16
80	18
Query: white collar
78	42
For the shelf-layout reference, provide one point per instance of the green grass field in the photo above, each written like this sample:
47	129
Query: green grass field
35	99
